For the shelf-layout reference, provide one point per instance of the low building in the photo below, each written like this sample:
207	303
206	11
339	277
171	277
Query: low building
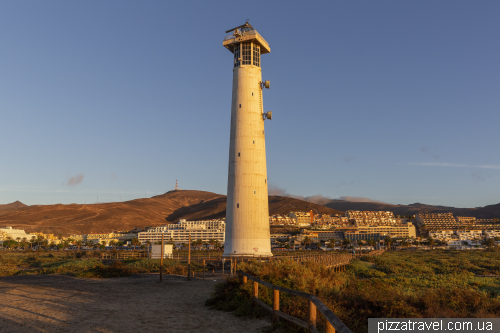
438	221
179	233
14	234
401	230
320	235
104	237
491	233
302	219
441	234
356	236
361	218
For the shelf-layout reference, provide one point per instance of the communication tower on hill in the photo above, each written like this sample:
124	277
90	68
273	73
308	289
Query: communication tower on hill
176	186
247	210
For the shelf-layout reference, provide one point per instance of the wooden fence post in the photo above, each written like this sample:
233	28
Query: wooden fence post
276	304
203	269
312	315
255	289
245	279
329	328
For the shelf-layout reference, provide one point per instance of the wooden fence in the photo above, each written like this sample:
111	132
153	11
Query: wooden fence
122	256
333	323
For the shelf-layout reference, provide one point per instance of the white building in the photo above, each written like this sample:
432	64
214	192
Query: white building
179	232
445	235
14	234
491	233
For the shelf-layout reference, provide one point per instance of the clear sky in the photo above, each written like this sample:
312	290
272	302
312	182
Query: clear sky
396	101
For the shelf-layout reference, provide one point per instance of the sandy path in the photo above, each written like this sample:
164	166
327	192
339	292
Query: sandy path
56	303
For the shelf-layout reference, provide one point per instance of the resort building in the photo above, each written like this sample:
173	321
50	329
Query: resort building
179	233
444	235
302	219
438	221
361	218
400	230
14	234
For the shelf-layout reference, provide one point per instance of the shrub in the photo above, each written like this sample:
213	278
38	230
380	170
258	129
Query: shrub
397	284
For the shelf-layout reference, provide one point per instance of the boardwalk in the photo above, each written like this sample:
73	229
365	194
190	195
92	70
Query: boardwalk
54	303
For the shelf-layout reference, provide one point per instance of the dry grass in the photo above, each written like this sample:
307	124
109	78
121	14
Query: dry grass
397	284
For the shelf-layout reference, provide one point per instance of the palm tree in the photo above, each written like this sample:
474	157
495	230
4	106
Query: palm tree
135	242
346	242
387	242
18	241
306	241
32	240
112	243
79	244
405	242
39	239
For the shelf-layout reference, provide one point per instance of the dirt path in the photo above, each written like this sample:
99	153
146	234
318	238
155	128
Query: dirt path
56	303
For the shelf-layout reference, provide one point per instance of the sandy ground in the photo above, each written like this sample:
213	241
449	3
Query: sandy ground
56	303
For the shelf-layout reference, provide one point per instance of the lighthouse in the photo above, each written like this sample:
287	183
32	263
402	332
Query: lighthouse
247	210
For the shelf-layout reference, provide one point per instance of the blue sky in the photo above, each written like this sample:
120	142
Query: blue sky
395	101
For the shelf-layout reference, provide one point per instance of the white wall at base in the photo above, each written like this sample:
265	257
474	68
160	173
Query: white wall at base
156	251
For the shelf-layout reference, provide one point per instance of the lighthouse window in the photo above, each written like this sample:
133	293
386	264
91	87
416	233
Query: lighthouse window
256	55
237	55
237	205
238	154
253	141
254	192
247	53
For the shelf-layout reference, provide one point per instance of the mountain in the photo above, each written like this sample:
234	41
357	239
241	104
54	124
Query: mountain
14	205
105	217
487	212
155	211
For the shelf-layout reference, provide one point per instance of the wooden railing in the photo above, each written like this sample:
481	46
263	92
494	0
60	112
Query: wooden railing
333	323
121	256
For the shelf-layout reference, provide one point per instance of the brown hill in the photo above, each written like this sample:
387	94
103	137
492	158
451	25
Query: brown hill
158	210
95	218
216	208
13	205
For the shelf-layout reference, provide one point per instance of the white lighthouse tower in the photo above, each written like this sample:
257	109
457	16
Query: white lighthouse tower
247	210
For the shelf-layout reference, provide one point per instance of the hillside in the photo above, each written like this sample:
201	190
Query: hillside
94	218
158	210
14	205
486	212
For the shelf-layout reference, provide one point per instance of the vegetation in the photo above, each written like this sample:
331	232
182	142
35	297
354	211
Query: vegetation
422	284
84	264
